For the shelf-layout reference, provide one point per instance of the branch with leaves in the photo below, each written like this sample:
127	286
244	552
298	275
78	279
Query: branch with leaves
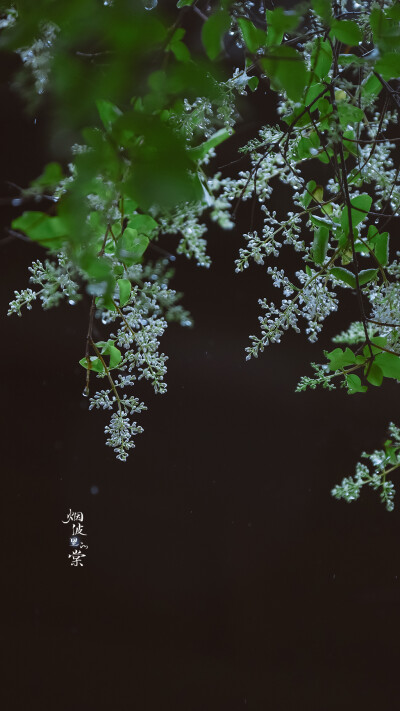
142	177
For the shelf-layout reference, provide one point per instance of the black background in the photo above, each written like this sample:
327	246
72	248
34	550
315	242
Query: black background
220	573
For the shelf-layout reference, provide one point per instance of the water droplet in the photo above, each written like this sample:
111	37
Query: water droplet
85	393
94	489
71	302
150	4
16	201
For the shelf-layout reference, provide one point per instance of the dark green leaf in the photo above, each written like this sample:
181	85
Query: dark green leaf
320	244
108	112
213	31
389	66
381	248
321	57
132	246
124	286
349	114
371	87
346	31
345	59
218	137
144	224
252	83
181	51
344	275
286	70
361	205
389	364
308	194
323	8
50	177
51	232
280	21
366	275
338	358
254	38
373	374
354	384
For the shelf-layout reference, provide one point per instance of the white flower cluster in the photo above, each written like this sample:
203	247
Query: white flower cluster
382	462
141	323
57	281
385	302
38	56
313	302
183	220
121	431
318	302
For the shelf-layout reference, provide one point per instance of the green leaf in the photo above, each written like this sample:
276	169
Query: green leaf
354	384
323	8
200	152
184	3
366	275
108	348
381	248
280	21
50	177
298	117
144	224
95	364
350	145
394	11
371	87
376	342
320	244
349	114
361	206
311	94
320	221
51	232
308	194
254	38
108	112
181	51
124	286
386	32
346	31
252	83
344	275
389	66
132	246
115	356
213	31
373	374
345	59
389	364
286	70
321	58
303	147
338	359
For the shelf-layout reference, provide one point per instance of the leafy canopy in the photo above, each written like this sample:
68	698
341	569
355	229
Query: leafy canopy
153	91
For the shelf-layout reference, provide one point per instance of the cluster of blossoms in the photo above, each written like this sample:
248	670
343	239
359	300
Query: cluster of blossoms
381	462
57	281
340	134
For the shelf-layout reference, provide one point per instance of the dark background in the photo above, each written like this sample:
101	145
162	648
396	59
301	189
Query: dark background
220	573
